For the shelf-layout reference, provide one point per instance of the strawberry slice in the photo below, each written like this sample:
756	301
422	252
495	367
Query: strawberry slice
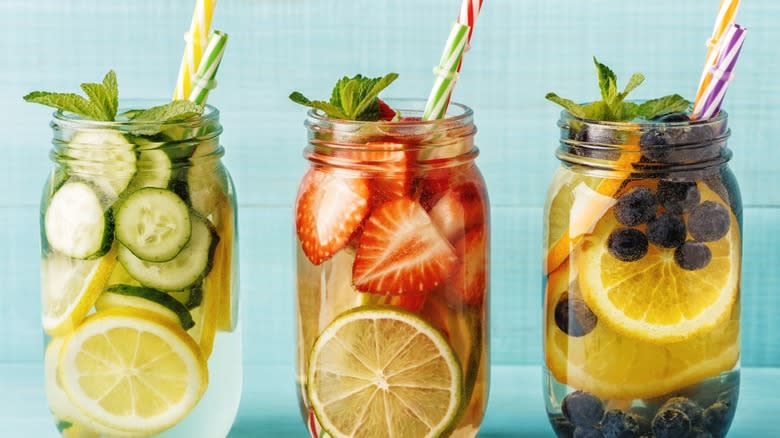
328	210
386	113
401	251
469	282
460	209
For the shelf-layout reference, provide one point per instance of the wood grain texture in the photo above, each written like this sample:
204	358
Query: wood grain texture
520	51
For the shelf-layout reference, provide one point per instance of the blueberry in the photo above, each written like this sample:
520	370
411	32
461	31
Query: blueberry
678	196
692	255
699	433
617	424
635	207
587	432
717	418
686	406
562	426
582	408
653	146
673	118
627	244
671	423
709	221
666	231
574	317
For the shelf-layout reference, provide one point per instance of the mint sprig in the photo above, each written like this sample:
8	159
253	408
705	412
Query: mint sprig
355	98
102	104
613	108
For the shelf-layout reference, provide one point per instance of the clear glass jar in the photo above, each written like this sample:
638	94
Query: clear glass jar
392	277
139	277
643	226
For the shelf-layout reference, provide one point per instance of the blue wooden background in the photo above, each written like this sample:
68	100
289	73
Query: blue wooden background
521	50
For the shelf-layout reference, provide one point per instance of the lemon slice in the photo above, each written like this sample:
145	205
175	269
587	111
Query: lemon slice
130	370
613	366
379	371
70	288
654	299
206	317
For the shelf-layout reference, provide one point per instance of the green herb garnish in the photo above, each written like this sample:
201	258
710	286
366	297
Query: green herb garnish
613	108
354	98
102	104
62	425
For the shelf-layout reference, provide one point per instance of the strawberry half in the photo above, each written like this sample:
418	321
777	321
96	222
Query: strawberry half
460	209
401	251
386	113
328	210
469	282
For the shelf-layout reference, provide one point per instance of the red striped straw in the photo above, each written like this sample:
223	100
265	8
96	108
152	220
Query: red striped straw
469	11
722	73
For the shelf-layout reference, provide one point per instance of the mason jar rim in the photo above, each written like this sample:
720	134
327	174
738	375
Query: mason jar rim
566	115
464	113
70	120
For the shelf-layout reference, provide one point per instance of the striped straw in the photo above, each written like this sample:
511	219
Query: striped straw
196	38
469	11
446	73
722	73
727	14
203	81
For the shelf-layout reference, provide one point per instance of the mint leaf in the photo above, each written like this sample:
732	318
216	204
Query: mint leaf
635	81
66	102
574	108
173	111
355	98
664	105
327	108
62	425
612	106
102	104
607	82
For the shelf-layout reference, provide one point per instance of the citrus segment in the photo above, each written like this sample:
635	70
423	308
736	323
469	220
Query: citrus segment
379	371
613	366
205	317
654	299
130	370
70	288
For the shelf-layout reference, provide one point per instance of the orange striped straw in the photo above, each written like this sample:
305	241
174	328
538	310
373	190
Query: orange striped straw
197	39
727	14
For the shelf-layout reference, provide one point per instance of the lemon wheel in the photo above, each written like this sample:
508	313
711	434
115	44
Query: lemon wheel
380	371
132	371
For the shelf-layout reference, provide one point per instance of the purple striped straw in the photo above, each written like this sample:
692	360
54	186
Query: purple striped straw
722	72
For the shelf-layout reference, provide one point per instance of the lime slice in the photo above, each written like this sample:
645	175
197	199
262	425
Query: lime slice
123	295
380	371
133	371
70	288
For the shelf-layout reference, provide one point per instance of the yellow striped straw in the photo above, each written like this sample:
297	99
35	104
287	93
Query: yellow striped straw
727	14
197	39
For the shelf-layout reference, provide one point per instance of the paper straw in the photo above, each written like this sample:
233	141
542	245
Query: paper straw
196	38
203	81
723	73
446	73
469	11
727	14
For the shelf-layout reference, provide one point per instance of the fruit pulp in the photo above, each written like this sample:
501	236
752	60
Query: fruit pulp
211	300
399	223
641	326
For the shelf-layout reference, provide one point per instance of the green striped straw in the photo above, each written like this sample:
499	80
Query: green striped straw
446	73
203	81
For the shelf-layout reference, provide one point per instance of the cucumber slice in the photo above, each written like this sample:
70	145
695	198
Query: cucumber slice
123	295
185	270
153	223
76	224
153	170
103	157
191	298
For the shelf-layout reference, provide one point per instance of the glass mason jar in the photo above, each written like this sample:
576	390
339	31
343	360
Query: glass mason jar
392	277
643	227
139	277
